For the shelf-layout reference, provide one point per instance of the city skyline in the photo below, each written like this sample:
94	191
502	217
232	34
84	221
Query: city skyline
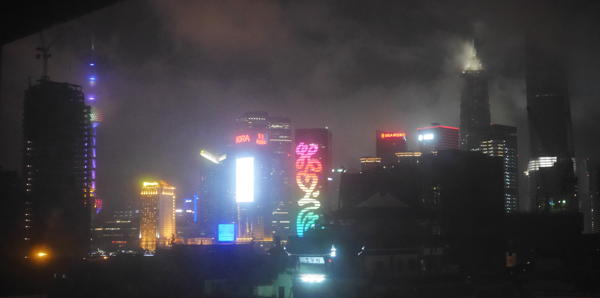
343	148
407	89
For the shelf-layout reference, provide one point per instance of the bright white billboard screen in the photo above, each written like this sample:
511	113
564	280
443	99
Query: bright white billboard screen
244	179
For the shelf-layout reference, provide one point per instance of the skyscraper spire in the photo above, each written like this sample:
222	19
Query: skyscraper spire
475	103
44	54
472	62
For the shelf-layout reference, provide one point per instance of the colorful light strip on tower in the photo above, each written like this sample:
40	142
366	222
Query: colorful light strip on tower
308	178
95	118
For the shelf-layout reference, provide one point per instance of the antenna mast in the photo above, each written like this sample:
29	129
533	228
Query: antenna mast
43	53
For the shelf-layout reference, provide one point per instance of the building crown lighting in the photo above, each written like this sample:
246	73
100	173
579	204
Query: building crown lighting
472	62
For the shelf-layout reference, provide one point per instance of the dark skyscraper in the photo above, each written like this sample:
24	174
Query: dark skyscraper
589	194
551	165
388	143
11	217
57	136
502	142
215	202
474	104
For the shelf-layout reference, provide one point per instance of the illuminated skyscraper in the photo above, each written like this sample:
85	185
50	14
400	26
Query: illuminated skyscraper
280	135
437	137
474	104
313	165
281	160
388	143
502	142
157	221
552	180
267	141
95	117
57	168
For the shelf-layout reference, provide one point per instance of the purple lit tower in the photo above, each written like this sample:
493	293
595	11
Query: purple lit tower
95	117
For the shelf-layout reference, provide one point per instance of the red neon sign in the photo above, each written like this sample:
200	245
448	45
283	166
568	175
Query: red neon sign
242	139
260	139
391	135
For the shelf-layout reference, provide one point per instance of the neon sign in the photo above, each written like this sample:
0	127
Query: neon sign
97	205
391	135
308	169
261	139
242	139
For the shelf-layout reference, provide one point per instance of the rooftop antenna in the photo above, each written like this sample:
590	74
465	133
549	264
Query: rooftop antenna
44	54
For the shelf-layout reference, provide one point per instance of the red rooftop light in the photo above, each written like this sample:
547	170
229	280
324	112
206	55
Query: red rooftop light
438	126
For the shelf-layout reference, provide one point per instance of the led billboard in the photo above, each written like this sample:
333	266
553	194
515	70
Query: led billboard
309	178
226	233
244	179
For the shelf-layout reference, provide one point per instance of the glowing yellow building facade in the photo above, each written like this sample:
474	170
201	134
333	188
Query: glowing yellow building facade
157	222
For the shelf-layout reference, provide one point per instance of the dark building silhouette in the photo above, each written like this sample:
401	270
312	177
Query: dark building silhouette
589	187
215	200
552	180
455	199
370	163
474	104
11	216
501	141
388	143
119	231
57	136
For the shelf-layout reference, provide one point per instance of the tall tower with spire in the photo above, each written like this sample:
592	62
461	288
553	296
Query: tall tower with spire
95	118
475	103
56	166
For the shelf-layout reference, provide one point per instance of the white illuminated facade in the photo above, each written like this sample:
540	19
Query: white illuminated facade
437	137
426	136
244	180
540	162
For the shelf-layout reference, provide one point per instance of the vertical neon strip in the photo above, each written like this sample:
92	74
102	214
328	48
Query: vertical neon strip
308	169
195	208
96	117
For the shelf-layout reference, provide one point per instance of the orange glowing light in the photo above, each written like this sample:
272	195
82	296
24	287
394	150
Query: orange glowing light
391	135
242	139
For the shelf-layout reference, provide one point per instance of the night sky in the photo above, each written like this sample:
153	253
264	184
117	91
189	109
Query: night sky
175	74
